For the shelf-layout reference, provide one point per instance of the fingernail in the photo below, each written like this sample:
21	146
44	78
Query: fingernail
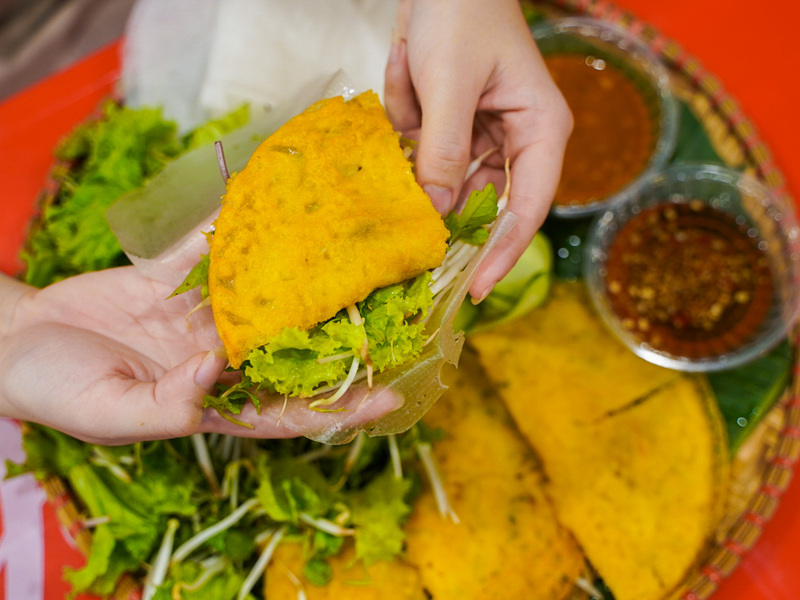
482	296
208	372
441	197
477	300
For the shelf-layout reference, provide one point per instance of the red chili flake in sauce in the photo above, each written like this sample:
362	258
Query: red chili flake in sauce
688	280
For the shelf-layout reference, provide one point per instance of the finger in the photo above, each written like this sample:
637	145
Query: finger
399	96
402	17
535	173
249	423
448	110
358	407
292	417
169	407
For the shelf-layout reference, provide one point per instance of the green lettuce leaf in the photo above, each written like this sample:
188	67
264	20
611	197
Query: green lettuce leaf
291	362
223	585
379	511
289	487
213	130
107	561
389	319
48	452
107	158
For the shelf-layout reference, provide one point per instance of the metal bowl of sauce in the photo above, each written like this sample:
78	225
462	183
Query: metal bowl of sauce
625	117
697	268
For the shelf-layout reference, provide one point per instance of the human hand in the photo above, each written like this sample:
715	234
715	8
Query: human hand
106	358
465	76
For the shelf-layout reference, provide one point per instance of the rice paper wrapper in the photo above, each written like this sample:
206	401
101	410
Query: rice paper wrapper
199	59
160	226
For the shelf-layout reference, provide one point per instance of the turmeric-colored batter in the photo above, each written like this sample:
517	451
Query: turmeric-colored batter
326	211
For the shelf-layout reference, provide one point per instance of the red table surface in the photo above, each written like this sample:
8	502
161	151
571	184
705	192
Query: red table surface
748	46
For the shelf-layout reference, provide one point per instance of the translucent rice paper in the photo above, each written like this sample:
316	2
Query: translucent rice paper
160	226
400	396
199	59
166	54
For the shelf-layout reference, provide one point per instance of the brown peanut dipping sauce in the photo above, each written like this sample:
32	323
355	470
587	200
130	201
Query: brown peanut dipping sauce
612	138
688	279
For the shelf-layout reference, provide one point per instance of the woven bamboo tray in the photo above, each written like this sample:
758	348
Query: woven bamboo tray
763	466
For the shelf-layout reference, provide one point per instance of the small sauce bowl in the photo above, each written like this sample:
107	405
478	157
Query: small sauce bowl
697	268
626	119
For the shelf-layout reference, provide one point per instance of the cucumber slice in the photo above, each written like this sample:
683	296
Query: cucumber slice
524	288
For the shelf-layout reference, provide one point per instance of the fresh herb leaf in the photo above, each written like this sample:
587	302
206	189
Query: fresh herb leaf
197	277
379	511
470	224
318	571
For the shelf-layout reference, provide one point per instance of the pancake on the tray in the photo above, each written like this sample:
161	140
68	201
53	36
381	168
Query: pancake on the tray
507	543
350	579
635	455
326	211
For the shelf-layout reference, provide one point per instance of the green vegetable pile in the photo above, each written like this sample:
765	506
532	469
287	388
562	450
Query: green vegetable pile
101	160
197	517
209	505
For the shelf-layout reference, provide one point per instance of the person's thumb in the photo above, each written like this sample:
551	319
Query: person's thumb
171	406
181	389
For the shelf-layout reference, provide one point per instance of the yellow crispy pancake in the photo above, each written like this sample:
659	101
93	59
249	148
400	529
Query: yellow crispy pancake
635	455
351	580
508	544
326	210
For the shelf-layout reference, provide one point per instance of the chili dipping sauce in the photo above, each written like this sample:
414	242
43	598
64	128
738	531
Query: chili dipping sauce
614	129
687	279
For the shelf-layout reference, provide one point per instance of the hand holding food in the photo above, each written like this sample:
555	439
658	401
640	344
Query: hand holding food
465	78
99	355
104	358
332	279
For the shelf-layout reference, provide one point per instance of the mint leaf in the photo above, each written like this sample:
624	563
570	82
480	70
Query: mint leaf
470	224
